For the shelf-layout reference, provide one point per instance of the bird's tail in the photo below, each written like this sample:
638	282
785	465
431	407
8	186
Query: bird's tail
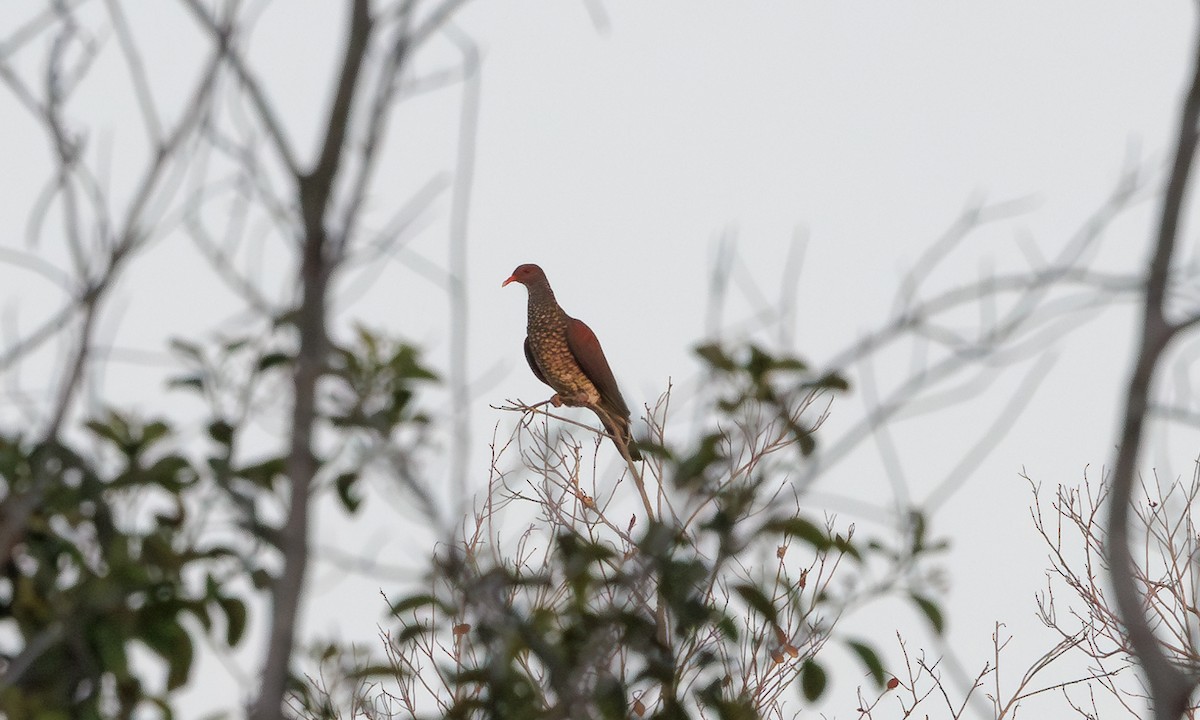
618	427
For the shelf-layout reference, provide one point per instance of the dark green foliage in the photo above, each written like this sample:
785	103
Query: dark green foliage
801	529
345	490
111	556
870	660
756	600
711	609
755	379
931	611
598	629
87	580
689	471
812	679
379	379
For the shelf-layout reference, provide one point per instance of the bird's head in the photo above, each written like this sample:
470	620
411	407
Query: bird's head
528	274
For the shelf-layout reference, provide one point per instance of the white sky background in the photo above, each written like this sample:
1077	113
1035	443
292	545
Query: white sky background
616	159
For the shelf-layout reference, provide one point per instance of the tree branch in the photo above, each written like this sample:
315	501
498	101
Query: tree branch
1169	686
460	210
222	36
314	190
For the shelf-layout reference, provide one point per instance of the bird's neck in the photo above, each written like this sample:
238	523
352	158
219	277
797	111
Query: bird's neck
543	306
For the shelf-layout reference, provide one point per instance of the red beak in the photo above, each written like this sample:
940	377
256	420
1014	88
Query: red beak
512	278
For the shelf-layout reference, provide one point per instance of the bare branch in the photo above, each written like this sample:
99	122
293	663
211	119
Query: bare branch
137	71
1170	687
222	36
459	299
316	268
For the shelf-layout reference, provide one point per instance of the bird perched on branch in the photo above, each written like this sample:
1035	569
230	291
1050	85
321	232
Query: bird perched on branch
565	354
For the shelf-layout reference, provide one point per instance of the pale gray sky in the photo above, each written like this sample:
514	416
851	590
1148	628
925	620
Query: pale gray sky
616	159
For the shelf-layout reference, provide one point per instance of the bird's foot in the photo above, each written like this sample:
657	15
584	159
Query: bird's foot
580	400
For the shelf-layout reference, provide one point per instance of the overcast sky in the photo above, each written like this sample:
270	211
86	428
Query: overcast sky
615	147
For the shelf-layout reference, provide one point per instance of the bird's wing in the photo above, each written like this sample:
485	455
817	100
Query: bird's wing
586	349
537	371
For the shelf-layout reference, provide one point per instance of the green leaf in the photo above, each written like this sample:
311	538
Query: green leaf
213	553
802	529
199	609
167	638
261	579
691	469
844	545
171	521
728	628
408	632
916	520
757	600
114	430
329	652
932	612
194	382
110	646
287	317
263	473
807	444
153	432
652	449
413	602
270	360
189	349
803	435
833	381
812	680
345	485
221	431
179	661
373	671
172	472
759	363
406	364
870	659
235	619
790	364
715	357
235	344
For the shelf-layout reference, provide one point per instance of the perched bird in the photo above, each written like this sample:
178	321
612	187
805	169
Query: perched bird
565	354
